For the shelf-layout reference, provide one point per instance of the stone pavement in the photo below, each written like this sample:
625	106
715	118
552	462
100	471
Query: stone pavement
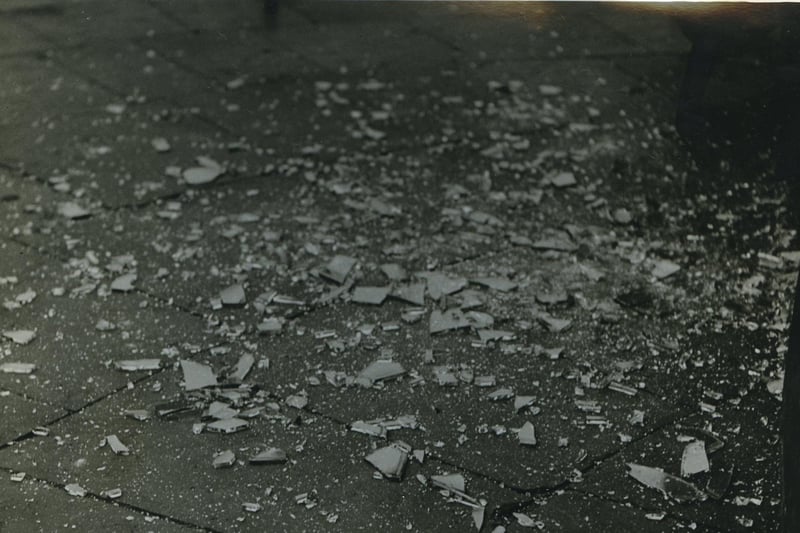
508	172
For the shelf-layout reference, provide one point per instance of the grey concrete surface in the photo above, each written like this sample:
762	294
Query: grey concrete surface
422	134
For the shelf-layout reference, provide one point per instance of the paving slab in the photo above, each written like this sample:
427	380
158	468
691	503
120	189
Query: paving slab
656	28
36	89
36	505
169	472
18	40
507	29
750	432
78	334
459	418
91	23
199	15
21	415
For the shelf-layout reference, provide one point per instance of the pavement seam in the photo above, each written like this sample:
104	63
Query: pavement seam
112	90
169	302
506	510
70	412
98	498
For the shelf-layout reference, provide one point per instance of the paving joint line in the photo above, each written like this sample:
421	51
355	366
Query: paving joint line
109	394
123	504
112	89
595	462
70	412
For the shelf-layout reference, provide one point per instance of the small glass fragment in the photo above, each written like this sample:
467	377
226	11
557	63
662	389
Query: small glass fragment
657	517
338	268
707	407
588	406
496	283
170	408
445	377
251	507
229	425
123	283
197	376
370	295
526	521
554	324
637	417
485	381
449	482
478	515
160	145
503	393
553	297
390	460
439	284
775	387
269	456
253	412
116	445
220	411
17	368
104	325
470	299
521	402
712	441
449	320
394	272
664	268
111	494
201	175
413	293
137	414
694	459
465	375
563	179
224	459
134	365
20	336
379	370
483	321
527	434
269	326
488	335
73	489
671	486
298	401
72	211
243	367
233	295
375	430
624	389
286	300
